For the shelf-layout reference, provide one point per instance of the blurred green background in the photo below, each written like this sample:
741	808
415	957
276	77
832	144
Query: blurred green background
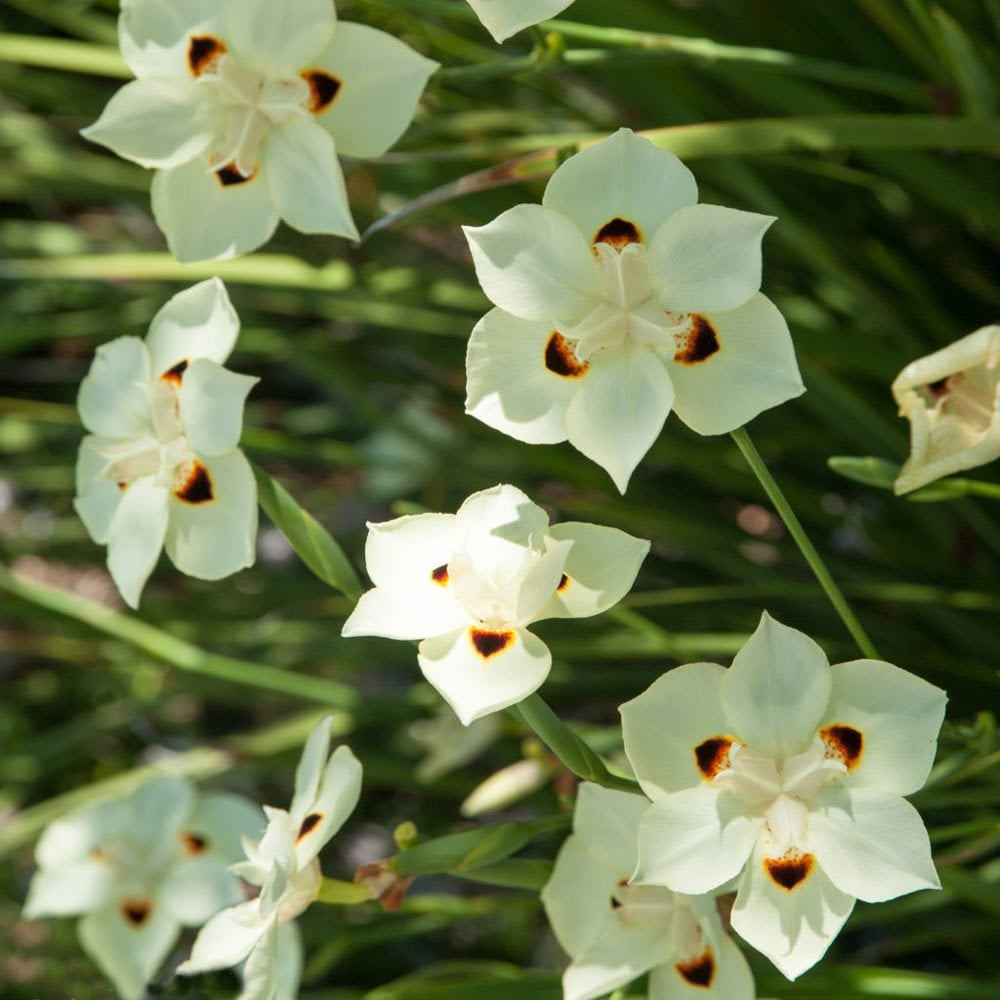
869	127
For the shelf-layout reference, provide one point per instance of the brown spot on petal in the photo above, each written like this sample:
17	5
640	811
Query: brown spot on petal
440	575
122	485
698	971
489	642
790	869
699	343
308	825
323	89
560	359
563	583
230	175
195	484
204	51
844	743
939	388
193	843
712	755
618	233
136	911
176	373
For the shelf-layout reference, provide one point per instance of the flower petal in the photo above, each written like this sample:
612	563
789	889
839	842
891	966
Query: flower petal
793	928
226	939
502	513
157	810
198	322
157	122
601	567
407	549
381	80
221	821
154	34
74	887
624	179
114	395
478	672
196	889
309	770
215	537
871	844
128	953
260	974
614	959
96	499
204	219
619	409
535	264
279	39
777	690
510	386
665	725
731	979
136	536
695	840
898	716
338	794
706	258
211	402
503	18
406	611
76	835
299	161
290	954
751	368
607	821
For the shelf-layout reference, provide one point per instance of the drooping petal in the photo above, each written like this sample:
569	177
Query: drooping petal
380	80
514	384
777	690
127	950
479	671
729	976
871	844
898	716
155	35
290	955
665	726
309	770
706	258
114	395
211	402
260	974
748	366
601	567
408	549
226	939
614	959
198	322
337	796
73	887
503	18
619	409
135	537
96	499
694	840
213	529
535	264
196	889
606	822
280	39
158	122
204	218
621	189
300	165
406	611
793	928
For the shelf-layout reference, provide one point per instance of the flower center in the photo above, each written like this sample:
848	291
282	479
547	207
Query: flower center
967	398
491	597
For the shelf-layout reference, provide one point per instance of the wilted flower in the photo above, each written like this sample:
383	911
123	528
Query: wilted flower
503	18
950	399
615	932
284	864
161	463
470	583
788	774
138	869
243	107
618	298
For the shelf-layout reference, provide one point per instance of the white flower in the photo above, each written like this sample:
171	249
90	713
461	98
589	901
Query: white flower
161	463
950	399
470	583
615	932
503	18
618	298
284	864
138	869
788	774
243	107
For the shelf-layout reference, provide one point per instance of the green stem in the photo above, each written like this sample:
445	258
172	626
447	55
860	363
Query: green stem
568	747
806	547
332	890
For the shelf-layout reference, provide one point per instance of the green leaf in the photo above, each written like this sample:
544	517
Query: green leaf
514	873
868	470
313	544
